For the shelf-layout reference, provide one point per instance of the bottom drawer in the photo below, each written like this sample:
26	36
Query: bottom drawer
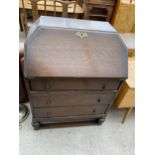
69	111
70	98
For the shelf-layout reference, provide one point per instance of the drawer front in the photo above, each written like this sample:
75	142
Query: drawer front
70	99
48	84
69	111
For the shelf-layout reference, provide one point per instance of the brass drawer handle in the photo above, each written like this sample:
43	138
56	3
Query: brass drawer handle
98	100
48	113
49	102
94	110
103	86
48	86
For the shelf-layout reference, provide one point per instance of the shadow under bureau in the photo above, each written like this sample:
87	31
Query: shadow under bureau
73	69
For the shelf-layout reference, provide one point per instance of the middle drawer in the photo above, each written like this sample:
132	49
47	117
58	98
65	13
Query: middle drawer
70	98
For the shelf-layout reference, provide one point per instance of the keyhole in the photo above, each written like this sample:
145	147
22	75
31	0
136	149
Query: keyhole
94	110
98	100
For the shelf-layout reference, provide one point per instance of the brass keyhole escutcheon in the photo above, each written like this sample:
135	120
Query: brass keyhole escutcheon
81	34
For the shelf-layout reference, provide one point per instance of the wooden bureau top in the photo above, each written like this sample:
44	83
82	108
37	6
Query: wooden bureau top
60	47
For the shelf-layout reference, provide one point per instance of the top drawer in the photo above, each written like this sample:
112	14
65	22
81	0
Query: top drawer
49	84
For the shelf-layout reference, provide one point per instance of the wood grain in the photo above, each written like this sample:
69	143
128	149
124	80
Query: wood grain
74	69
69	111
124	16
73	56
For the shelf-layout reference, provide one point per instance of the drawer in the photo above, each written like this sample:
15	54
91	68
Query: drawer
48	84
69	111
70	98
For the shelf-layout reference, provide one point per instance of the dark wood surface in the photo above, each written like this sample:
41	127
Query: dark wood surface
22	89
67	119
50	84
23	97
72	56
73	98
73	74
69	111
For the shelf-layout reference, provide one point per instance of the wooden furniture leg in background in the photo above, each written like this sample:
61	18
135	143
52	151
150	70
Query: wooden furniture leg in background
127	113
126	96
23	18
24	23
20	24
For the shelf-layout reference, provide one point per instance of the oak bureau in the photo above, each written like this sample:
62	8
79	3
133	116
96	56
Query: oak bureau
73	69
